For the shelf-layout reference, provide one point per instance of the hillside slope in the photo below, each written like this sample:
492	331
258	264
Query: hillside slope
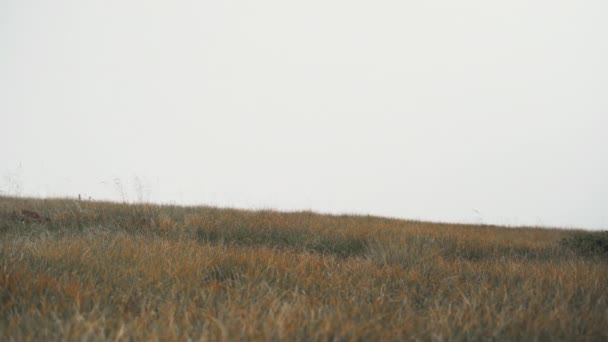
101	271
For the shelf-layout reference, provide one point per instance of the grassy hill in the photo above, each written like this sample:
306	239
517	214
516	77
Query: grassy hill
105	271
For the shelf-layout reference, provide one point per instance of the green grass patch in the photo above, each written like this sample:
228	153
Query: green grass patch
588	244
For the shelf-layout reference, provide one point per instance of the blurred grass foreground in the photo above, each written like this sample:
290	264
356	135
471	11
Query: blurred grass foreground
81	270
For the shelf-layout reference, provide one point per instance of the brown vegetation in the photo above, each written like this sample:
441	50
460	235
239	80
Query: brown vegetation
107	271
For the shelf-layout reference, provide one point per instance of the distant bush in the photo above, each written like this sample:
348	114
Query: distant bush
588	244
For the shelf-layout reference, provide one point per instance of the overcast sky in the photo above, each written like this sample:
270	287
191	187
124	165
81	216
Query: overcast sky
463	111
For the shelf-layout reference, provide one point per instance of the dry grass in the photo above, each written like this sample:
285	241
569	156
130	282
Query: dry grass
103	271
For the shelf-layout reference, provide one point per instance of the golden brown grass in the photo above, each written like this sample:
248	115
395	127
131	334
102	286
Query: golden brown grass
103	271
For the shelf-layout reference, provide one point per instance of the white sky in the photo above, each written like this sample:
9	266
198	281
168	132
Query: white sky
415	109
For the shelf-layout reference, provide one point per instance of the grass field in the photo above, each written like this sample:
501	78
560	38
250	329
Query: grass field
72	270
